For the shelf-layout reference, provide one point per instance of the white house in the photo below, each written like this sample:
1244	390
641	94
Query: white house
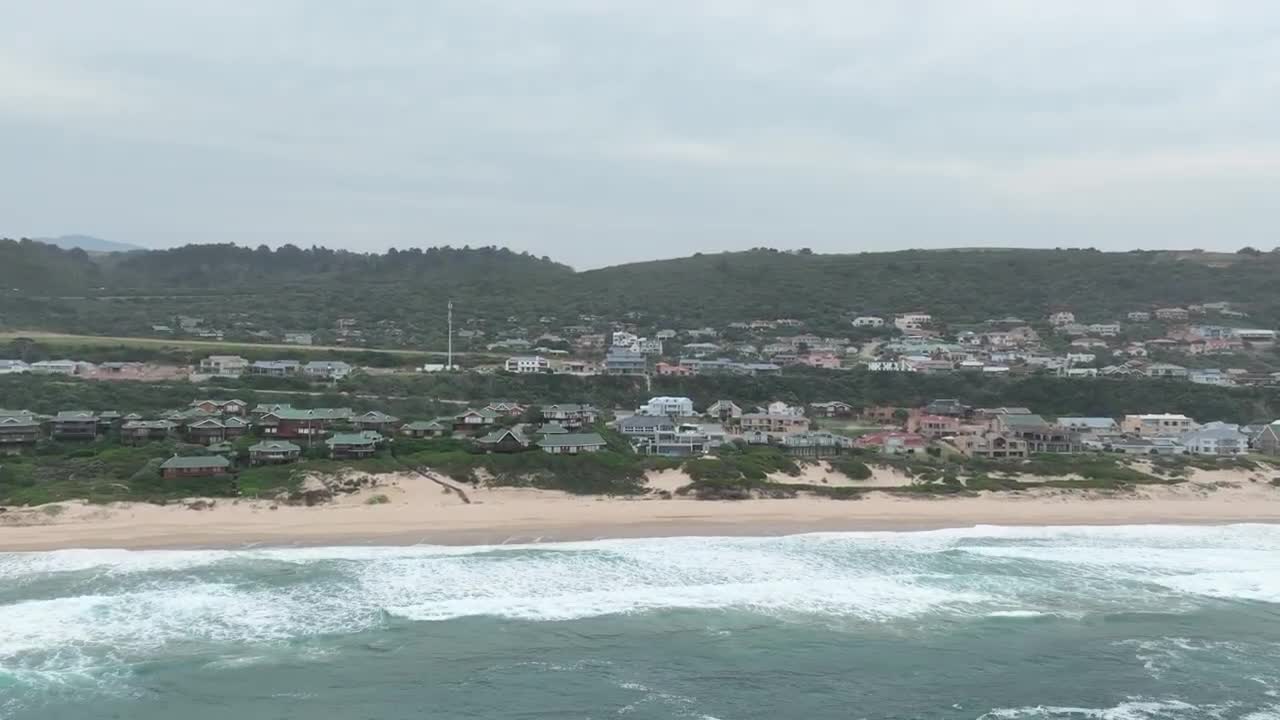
649	346
868	321
624	339
327	369
1216	438
1139	316
11	367
524	364
777	407
912	320
890	366
1061	318
224	365
666	405
1105	329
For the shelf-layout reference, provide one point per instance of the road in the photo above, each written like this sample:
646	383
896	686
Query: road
67	338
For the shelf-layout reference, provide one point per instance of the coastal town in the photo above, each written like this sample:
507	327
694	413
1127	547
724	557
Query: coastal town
1209	344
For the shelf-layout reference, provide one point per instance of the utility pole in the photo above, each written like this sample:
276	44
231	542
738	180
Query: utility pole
449	365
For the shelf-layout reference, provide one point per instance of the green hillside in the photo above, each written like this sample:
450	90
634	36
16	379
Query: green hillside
405	291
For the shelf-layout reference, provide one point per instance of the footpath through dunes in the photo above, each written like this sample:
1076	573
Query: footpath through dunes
408	508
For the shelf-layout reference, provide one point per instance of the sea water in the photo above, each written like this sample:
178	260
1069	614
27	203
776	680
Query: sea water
1114	623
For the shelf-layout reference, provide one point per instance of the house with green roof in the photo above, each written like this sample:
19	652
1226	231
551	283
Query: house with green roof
377	421
424	429
475	420
134	432
74	425
353	446
504	440
273	452
291	422
18	432
203	466
572	443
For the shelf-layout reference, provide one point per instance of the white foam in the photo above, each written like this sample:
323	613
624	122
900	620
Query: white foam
136	602
1129	710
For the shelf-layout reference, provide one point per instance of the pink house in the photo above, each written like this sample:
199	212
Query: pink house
663	368
824	360
933	426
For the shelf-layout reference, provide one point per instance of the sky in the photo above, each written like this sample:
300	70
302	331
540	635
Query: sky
599	132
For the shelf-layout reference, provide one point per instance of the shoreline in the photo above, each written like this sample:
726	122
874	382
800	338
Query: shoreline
416	512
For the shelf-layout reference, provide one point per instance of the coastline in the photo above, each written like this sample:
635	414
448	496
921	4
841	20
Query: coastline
417	512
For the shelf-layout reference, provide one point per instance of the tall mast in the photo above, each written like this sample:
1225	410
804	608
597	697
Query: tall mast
449	366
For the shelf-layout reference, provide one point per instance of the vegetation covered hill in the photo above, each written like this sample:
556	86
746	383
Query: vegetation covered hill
295	288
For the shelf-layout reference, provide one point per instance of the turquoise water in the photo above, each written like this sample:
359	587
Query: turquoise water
1117	623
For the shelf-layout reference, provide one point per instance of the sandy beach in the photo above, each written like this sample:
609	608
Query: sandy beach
420	511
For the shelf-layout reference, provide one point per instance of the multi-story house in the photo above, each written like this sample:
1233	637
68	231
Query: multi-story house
774	424
223	365
1157	424
18	431
1039	435
74	425
527	364
571	415
1216	438
275	368
1172	314
327	369
667	405
621	361
290	422
868	321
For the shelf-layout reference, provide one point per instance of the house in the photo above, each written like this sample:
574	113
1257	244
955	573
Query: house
273	452
570	415
224	366
13	367
18	431
893	443
991	446
667	369
654	435
423	429
1267	441
504	440
527	364
221	407
183	467
1216	438
667	405
1156	424
1094	425
206	432
353	446
1139	316
773	423
724	410
74	425
1172	314
933	426
1110	329
621	361
1165	370
1143	446
134	432
830	409
912	320
1210	376
473	420
55	367
868	321
297	338
375	420
1039	434
291	422
947	406
571	443
1061	318
327	369
275	368
815	443
506	408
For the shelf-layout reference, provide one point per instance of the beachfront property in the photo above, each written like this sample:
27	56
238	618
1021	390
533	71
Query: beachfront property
74	425
18	431
377	421
185	467
424	429
273	452
571	443
570	415
527	364
353	446
1217	439
667	405
1156	424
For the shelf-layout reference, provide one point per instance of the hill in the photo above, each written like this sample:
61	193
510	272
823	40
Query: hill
88	243
404	292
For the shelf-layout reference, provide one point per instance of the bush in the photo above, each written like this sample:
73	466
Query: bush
851	468
377	500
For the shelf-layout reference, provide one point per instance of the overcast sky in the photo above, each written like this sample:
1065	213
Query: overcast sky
599	131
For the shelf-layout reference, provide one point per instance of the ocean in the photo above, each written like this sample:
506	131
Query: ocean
1113	623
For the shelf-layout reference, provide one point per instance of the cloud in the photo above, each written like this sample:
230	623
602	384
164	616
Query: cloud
660	127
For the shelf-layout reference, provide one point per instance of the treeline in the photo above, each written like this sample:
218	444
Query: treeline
308	288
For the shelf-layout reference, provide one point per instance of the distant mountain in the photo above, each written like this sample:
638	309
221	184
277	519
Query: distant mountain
88	243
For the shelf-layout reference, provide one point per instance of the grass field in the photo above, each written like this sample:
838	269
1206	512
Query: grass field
213	346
